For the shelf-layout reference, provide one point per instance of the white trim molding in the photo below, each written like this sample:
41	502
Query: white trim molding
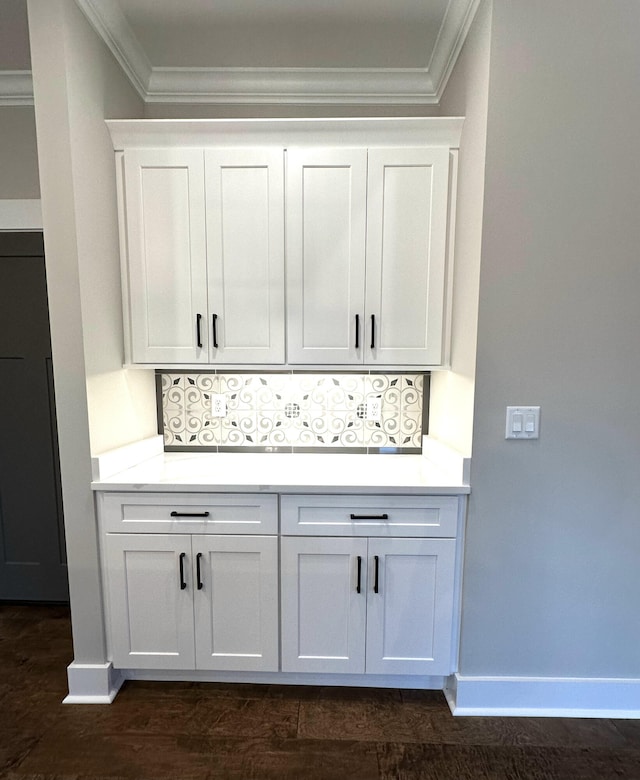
344	131
16	88
107	19
20	215
556	697
92	683
397	86
349	86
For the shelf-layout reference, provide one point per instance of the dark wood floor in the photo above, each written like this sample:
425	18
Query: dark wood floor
194	731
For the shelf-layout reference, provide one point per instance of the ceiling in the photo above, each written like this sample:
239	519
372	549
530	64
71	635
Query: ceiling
256	51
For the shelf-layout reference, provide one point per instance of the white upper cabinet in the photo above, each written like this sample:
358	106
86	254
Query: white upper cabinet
407	197
245	251
294	242
326	228
366	253
167	263
205	245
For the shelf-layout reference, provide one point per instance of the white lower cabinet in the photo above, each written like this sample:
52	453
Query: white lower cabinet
350	585
375	606
323	614
178	601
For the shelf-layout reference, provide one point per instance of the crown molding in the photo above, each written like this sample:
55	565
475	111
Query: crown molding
16	88
397	86
299	132
290	85
107	19
451	38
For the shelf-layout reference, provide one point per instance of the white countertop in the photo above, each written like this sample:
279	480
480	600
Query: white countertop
286	472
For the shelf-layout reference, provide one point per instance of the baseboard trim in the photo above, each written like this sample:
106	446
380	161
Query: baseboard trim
552	697
20	215
92	683
432	682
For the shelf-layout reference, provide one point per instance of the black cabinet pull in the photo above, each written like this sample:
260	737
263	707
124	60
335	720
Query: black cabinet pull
357	331
384	516
198	333
373	331
358	588
376	561
198	577
215	330
189	514
183	584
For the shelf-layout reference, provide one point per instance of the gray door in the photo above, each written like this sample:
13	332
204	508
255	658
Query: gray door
32	553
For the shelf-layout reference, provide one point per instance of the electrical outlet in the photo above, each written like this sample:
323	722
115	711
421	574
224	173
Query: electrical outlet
374	409
218	405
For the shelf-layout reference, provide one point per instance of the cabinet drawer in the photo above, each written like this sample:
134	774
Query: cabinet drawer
351	515
231	513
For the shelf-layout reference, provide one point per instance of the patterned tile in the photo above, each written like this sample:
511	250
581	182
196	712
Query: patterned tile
317	410
394	430
238	430
173	391
240	390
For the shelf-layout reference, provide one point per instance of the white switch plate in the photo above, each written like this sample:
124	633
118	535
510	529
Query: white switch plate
374	409
218	405
523	422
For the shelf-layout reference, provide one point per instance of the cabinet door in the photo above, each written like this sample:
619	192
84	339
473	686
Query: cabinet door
406	255
409	618
323	614
326	227
164	195
150	613
236	602
245	248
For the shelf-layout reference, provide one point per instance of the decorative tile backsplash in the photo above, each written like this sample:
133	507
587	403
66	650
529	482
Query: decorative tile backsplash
292	411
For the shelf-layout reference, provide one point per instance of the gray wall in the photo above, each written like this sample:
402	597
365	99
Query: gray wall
552	570
18	154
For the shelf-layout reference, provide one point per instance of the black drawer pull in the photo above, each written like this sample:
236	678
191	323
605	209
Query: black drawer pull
385	516
198	333
357	331
358	588
189	514
376	570
373	331
198	575
183	584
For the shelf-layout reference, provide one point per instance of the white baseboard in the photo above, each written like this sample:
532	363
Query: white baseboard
291	678
20	215
92	683
554	697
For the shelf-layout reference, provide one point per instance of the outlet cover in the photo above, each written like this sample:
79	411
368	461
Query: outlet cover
374	409
218	405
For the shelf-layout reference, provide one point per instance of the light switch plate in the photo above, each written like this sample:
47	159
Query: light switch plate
523	422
